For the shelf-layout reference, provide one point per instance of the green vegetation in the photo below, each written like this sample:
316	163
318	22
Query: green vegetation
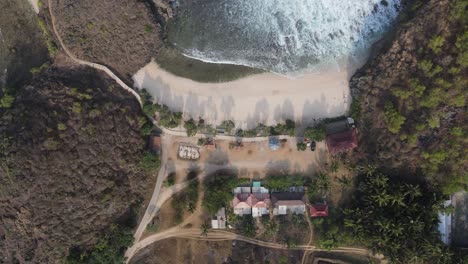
80	96
218	191
291	229
191	127
76	108
246	225
152	228
50	44
170	180
355	109
436	44
393	119
282	182
148	29
186	199
150	162
6	101
167	118
110	249
301	146
61	127
320	185
329	230
317	133
36	70
401	93
288	128
228	125
397	219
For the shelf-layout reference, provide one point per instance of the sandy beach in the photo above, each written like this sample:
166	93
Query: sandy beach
267	98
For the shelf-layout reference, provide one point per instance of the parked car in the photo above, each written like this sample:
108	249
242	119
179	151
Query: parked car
312	146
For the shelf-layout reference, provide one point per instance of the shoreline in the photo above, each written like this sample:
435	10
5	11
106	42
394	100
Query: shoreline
260	98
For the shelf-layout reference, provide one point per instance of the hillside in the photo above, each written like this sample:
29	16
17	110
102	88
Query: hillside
411	98
69	164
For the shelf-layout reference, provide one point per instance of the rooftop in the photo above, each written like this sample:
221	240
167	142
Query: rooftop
319	210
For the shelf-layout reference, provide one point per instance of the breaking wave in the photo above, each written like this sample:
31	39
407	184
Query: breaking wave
282	36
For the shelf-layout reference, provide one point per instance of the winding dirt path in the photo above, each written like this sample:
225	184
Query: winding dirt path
220	235
87	63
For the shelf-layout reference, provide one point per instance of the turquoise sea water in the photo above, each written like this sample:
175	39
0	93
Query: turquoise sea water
282	36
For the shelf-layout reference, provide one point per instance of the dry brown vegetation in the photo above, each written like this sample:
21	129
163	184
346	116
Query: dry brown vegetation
69	164
123	35
412	97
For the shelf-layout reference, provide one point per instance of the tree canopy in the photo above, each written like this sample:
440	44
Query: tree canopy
397	219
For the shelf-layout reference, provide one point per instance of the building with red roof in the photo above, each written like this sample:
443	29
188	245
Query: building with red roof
319	210
341	136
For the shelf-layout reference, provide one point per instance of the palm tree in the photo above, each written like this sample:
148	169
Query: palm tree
345	182
204	229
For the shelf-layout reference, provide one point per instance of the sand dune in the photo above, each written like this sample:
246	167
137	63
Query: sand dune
266	98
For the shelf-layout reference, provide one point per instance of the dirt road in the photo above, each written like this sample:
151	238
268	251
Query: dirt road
220	235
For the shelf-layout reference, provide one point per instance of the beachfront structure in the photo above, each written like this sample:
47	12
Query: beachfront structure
288	202
242	203
262	204
251	200
319	210
219	220
273	143
258	188
239	190
341	136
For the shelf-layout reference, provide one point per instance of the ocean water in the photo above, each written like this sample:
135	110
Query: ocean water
282	36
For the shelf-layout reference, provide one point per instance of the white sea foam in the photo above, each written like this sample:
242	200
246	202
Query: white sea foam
280	36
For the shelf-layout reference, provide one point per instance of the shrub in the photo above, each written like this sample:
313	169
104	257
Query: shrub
191	127
50	44
283	182
434	122
425	66
148	29
433	99
76	108
6	101
290	127
317	133
401	93
457	131
417	87
61	127
393	119
228	125
355	109
436	43
458	100
301	146
150	162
